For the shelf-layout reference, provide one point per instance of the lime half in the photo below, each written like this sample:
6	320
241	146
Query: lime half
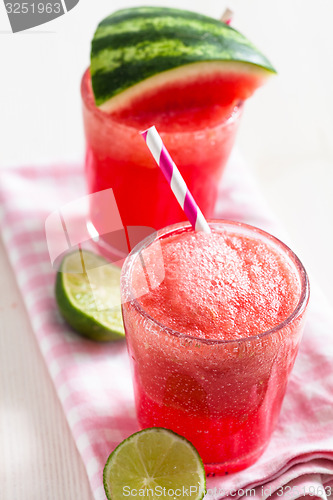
154	463
88	295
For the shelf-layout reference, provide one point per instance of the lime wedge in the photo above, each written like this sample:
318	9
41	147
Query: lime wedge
154	463
88	296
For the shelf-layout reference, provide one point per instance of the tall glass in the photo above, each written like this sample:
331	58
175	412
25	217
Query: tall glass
222	395
118	158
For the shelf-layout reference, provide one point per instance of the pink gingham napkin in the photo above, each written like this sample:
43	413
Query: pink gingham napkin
93	381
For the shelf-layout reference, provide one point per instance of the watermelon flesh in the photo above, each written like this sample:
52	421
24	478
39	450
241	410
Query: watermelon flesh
185	98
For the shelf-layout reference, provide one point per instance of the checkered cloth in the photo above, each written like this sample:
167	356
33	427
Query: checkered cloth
93	381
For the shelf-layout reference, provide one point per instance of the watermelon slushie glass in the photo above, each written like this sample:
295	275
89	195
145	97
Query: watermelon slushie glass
213	343
117	158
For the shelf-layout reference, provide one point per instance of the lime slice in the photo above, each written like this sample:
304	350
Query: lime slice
88	295
154	463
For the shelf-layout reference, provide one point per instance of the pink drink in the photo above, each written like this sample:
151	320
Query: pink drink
213	343
199	141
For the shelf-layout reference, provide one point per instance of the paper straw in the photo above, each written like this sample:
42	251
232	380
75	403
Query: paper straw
227	16
175	180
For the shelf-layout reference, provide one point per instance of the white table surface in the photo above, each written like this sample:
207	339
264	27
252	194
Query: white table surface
286	137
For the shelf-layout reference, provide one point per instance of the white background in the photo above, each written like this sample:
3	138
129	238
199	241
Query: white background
286	137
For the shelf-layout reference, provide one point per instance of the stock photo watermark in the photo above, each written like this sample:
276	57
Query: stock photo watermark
93	222
262	491
24	15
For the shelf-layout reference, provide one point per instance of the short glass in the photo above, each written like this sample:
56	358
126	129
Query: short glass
223	395
118	158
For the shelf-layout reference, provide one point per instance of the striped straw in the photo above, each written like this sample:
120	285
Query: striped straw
227	16
175	180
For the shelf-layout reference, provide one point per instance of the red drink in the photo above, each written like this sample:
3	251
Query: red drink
213	343
199	142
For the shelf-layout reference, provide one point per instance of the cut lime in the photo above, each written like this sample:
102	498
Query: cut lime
88	295
154	463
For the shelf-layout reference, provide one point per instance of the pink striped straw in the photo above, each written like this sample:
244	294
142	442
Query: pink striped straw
175	180
227	16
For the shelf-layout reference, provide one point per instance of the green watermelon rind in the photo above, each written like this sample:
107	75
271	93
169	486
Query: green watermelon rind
136	44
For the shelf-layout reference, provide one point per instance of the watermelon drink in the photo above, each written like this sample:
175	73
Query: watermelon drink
116	157
186	73
213	343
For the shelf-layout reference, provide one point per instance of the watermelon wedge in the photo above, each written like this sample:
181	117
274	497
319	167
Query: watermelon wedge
164	62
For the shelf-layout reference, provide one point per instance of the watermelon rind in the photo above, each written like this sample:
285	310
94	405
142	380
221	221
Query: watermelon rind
138	44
